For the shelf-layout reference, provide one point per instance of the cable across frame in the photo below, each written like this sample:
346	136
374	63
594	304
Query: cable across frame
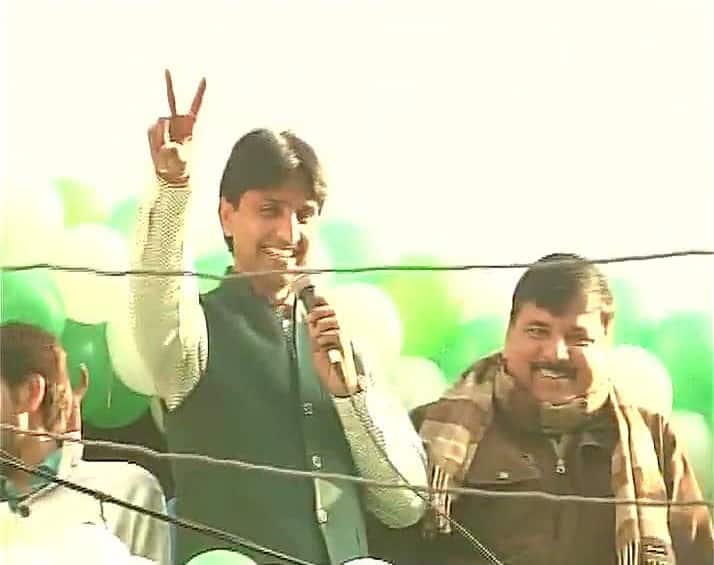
103	497
219	534
354	270
299	474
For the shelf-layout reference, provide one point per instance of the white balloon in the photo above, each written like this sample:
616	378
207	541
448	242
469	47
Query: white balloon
417	381
372	320
224	555
696	437
31	221
657	296
319	258
88	297
128	364
641	378
483	292
204	228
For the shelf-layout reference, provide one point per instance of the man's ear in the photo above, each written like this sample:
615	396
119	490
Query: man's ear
226	210
608	323
30	394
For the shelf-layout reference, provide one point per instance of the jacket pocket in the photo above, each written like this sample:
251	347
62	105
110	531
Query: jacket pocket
514	527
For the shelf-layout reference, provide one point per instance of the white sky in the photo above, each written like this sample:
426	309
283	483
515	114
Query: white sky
476	130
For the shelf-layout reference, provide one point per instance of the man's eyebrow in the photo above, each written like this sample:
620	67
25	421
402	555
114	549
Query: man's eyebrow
538	323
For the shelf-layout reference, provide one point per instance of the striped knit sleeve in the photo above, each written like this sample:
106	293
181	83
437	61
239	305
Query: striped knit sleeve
167	319
382	439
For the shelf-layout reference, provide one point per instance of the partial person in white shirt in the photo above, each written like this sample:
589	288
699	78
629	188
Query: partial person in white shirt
36	396
244	370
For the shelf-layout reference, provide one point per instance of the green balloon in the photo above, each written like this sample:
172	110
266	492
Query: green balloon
108	403
630	325
123	216
33	298
221	557
214	263
684	344
82	204
121	406
470	342
428	309
348	245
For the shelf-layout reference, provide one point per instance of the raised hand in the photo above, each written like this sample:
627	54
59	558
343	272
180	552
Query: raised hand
70	416
169	137
74	421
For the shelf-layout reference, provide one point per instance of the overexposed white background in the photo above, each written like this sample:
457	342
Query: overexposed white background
496	131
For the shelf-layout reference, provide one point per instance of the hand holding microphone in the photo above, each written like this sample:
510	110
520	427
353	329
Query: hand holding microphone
332	353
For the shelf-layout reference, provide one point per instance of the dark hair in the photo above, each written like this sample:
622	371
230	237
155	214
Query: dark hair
27	350
265	159
555	280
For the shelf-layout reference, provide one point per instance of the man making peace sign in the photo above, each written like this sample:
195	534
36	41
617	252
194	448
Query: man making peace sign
247	373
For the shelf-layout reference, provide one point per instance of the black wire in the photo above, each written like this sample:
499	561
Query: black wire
225	536
465	533
461	491
103	497
375	268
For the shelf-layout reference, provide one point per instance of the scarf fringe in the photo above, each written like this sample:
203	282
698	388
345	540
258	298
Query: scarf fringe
440	510
628	554
453	428
644	553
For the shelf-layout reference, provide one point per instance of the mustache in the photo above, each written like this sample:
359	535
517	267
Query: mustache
281	248
285	246
558	367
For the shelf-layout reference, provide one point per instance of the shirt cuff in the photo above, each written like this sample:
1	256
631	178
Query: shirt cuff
346	410
163	183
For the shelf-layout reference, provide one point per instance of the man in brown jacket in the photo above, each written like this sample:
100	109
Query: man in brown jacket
542	415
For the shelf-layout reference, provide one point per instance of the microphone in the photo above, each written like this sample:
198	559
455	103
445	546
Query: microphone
305	291
304	288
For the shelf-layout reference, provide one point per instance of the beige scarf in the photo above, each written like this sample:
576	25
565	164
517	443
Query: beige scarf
454	426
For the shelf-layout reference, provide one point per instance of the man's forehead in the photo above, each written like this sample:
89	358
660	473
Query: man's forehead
294	195
577	313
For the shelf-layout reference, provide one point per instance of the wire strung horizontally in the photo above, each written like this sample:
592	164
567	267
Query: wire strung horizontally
481	549
104	498
353	270
298	474
464	532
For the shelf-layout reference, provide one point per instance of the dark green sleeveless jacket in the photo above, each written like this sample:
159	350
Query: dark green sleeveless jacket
261	401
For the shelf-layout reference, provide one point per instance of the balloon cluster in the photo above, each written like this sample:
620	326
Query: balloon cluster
421	329
68	223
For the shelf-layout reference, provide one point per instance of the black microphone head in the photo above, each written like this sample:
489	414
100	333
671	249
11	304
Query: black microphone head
305	291
301	284
23	510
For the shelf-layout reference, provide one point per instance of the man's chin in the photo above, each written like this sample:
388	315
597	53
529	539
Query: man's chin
279	281
560	399
272	284
555	397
